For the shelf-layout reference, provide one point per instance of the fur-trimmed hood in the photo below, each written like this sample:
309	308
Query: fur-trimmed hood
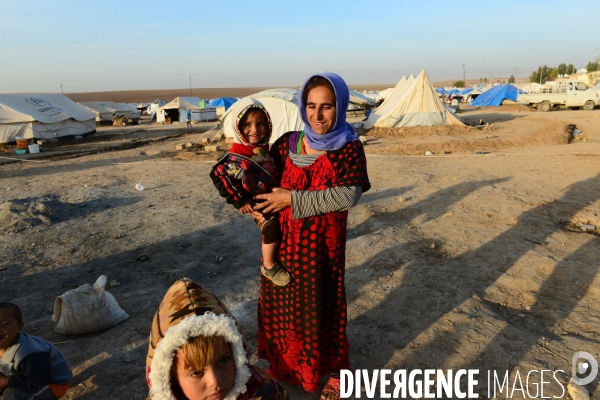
189	310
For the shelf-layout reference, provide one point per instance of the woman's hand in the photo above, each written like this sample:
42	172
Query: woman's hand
275	201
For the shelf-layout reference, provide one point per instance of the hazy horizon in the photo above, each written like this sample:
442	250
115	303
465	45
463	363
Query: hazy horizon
117	46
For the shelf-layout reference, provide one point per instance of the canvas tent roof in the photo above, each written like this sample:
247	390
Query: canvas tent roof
48	108
383	94
413	103
496	95
42	116
359	98
160	102
223	102
135	113
281	93
183	103
285	114
106	105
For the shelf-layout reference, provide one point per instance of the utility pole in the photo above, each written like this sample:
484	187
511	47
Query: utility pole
190	86
61	89
464	75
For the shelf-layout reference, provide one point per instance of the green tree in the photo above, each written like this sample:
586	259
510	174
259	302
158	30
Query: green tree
511	79
541	75
458	84
592	66
485	80
534	77
562	69
570	69
553	73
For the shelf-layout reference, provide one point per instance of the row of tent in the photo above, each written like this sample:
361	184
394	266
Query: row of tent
50	116
412	102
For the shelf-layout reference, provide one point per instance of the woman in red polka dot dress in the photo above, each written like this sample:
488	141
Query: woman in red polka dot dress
302	326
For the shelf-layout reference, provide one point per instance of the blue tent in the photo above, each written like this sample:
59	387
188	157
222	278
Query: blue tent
223	101
496	95
440	90
453	91
467	91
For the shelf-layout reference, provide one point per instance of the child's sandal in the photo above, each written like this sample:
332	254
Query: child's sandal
278	275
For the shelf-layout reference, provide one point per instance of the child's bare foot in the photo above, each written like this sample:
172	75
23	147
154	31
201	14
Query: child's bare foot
276	274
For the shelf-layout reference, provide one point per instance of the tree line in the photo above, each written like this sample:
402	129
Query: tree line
544	73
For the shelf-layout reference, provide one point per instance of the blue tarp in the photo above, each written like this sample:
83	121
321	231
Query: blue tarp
223	101
496	95
440	90
467	91
453	91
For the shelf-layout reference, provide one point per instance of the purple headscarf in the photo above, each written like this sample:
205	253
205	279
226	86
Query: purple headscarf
342	131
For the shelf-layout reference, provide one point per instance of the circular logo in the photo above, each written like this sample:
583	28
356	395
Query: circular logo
36	101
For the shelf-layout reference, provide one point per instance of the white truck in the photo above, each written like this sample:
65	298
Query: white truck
572	94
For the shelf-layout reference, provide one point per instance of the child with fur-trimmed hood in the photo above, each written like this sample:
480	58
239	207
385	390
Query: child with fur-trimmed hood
197	351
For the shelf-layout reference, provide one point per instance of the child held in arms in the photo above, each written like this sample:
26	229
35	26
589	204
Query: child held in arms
248	170
30	367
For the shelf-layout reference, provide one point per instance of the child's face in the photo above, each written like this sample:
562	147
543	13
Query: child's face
214	381
9	329
253	126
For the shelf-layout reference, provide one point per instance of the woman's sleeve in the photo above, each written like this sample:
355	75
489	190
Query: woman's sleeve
306	203
350	165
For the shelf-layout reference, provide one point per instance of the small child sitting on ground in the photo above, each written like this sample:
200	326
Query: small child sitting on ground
197	351
30	367
248	170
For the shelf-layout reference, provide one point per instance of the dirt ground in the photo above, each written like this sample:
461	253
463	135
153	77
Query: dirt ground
473	257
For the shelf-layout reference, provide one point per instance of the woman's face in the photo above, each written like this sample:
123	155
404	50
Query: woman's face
320	109
214	381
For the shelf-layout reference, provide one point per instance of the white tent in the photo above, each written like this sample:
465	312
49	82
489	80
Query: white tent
178	110
104	110
42	116
359	98
285	114
135	113
384	94
413	103
155	104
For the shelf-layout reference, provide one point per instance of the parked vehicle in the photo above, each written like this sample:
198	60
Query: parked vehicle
453	101
573	94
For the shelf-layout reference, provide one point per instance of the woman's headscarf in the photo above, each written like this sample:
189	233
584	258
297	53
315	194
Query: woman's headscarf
342	132
238	110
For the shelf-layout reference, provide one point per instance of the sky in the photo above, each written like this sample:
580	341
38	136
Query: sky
111	45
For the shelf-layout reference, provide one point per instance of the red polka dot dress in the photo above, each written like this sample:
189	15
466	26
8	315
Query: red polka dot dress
302	326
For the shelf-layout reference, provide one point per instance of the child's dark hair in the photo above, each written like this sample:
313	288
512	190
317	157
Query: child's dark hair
13	310
314	82
252	110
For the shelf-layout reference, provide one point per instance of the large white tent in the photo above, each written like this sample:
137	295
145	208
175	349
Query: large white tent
104	110
42	116
414	102
179	107
282	105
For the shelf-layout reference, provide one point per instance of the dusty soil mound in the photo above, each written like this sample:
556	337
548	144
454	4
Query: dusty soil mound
494	134
18	215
